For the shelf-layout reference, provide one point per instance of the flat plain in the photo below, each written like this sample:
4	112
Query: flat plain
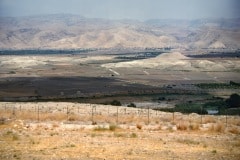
100	74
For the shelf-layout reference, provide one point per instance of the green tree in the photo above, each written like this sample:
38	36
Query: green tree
233	101
132	105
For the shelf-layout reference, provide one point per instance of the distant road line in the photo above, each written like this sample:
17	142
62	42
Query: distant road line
114	72
146	72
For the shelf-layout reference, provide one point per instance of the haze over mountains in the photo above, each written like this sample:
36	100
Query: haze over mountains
65	31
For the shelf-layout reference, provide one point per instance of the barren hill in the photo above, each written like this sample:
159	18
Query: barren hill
178	62
65	31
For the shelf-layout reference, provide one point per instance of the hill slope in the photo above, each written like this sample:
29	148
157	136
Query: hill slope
63	31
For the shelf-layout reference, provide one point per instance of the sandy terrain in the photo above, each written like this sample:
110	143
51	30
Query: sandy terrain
123	134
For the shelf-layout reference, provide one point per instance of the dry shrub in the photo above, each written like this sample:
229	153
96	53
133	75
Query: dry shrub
133	135
55	125
126	119
120	134
209	119
194	126
73	117
237	143
186	126
218	127
234	130
103	118
3	120
110	119
100	128
26	115
113	127
6	113
188	141
234	121
166	118
139	126
94	123
157	128
182	126
52	116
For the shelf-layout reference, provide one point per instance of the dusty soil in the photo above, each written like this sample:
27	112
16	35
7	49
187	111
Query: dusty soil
54	134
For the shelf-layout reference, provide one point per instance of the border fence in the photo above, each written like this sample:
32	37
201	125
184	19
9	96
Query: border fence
100	114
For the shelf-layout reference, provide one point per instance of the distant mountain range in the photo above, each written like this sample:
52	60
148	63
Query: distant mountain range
64	31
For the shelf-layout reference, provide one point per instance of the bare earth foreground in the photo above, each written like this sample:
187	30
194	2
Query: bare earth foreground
51	130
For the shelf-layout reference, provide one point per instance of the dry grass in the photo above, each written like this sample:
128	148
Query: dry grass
162	120
101	119
193	126
166	118
120	135
209	119
113	127
234	130
218	127
237	143
182	126
79	139
188	141
101	129
233	120
26	115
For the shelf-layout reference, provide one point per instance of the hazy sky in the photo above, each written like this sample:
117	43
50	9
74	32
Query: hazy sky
125	9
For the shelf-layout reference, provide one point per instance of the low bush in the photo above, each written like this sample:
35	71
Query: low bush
233	101
132	105
194	126
116	103
182	126
113	127
234	130
186	108
133	135
139	126
100	128
219	127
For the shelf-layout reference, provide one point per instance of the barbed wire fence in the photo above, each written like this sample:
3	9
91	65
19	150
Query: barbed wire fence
96	114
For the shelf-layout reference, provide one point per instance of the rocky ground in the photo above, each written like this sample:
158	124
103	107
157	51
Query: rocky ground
83	131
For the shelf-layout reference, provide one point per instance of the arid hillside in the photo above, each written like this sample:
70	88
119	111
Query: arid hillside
63	31
176	61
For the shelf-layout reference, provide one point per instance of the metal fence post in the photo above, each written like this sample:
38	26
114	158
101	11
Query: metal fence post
117	114
173	116
148	116
38	112
67	113
226	117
